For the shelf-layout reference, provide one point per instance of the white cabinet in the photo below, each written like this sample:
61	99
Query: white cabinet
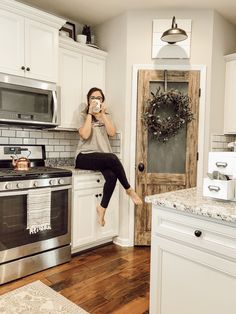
230	95
70	69
29	40
80	68
193	265
86	231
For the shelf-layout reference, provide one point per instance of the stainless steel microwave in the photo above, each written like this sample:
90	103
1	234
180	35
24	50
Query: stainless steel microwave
28	102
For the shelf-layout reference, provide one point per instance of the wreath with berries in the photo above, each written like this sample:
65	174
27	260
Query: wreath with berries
164	124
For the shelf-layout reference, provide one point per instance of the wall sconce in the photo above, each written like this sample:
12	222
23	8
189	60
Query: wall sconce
174	34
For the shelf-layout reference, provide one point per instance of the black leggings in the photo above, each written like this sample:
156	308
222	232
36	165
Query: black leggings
111	168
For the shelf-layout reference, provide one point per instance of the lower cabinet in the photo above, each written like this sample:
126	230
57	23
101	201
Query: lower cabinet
86	231
191	272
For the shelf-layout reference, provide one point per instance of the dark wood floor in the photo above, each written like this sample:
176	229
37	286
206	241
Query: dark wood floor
108	280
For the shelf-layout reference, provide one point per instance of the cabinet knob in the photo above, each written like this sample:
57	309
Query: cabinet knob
22	68
197	233
98	180
100	194
141	167
27	69
96	195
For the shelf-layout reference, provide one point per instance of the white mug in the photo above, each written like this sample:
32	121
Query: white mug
82	38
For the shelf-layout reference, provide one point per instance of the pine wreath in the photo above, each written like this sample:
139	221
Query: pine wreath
165	124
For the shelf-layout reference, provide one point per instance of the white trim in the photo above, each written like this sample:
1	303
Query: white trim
123	242
136	67
32	13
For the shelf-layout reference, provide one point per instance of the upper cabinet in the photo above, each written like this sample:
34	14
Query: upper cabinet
29	40
80	68
230	95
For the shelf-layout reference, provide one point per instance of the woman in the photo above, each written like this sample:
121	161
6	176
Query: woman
95	153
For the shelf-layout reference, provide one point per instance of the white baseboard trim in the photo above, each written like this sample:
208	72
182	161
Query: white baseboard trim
122	242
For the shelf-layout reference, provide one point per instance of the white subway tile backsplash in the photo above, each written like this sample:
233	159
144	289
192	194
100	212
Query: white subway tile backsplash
35	134
46	134
4	140
65	154
40	141
22	134
58	148
53	142
29	141
220	142
64	142
8	133
13	140
53	154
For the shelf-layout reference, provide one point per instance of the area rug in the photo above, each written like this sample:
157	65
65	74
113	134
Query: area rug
36	298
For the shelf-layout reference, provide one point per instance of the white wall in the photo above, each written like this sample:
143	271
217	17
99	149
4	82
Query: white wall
128	40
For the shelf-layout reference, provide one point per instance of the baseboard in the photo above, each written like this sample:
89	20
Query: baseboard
122	242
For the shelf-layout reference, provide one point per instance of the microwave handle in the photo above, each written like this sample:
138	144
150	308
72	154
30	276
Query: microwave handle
55	107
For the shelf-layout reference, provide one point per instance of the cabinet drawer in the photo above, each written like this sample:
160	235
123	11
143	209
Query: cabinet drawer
200	233
84	181
224	162
219	189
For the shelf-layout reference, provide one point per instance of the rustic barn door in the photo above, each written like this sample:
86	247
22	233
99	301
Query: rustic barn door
169	166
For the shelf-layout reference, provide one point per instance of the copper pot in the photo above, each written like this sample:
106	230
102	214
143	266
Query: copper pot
21	163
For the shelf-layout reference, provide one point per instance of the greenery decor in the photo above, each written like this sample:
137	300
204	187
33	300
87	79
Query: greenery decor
166	113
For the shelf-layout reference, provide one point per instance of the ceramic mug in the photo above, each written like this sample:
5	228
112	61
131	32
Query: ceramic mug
82	38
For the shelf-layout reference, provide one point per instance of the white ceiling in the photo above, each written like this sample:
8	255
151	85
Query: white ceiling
93	12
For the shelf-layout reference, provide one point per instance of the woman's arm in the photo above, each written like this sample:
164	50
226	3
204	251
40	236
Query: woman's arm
110	128
85	130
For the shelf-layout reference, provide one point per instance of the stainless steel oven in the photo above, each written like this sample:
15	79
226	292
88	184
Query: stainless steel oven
22	252
28	102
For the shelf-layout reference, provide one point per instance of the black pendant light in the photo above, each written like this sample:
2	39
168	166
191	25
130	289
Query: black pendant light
174	34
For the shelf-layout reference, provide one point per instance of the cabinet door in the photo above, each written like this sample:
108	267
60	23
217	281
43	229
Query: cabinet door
41	51
111	218
12	43
84	217
70	71
186	280
230	98
93	74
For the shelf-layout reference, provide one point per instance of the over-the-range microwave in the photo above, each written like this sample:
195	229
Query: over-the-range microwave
28	102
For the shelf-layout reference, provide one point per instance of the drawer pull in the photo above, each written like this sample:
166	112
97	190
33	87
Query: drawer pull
96	195
213	188
100	195
221	164
197	233
98	180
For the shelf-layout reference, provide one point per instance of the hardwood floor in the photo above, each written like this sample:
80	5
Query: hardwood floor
109	279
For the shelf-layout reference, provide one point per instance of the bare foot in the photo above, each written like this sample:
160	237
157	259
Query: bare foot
134	196
101	214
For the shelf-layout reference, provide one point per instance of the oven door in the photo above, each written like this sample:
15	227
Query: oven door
15	239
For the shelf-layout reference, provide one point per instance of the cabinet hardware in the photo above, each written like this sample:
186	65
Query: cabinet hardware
22	68
221	164
197	233
98	180
100	194
96	195
213	188
27	69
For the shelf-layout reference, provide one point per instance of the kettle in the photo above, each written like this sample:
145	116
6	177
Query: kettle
21	163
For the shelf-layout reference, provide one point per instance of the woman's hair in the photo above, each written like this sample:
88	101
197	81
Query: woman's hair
95	89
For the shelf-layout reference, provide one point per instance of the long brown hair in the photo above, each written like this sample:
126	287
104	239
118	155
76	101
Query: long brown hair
92	90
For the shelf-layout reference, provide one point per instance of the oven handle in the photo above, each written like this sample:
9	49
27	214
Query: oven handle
25	192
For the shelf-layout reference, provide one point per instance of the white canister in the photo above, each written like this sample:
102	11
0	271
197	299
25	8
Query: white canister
82	38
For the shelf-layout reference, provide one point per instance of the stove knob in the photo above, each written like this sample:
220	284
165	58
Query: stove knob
20	185
35	184
52	182
61	181
8	186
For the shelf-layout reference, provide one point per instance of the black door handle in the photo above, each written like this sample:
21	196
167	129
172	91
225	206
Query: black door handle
141	167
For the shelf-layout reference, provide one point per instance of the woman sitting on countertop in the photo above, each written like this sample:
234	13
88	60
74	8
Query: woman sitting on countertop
94	151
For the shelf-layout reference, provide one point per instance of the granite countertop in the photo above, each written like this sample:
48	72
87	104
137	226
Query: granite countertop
76	171
191	201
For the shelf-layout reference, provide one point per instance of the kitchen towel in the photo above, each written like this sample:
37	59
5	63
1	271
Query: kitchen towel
39	210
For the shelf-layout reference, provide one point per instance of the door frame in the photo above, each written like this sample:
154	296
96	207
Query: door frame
201	126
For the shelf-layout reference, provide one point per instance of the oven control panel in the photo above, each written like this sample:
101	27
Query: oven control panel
36	183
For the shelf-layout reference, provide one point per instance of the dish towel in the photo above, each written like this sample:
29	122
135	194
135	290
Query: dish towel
39	210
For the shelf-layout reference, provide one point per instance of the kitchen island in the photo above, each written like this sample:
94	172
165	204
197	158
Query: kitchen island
193	254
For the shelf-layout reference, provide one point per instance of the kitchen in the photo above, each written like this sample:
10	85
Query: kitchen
128	50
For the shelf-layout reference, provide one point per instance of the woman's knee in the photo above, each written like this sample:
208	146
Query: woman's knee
110	177
114	159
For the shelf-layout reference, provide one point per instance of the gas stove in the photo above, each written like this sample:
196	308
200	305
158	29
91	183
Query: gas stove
36	176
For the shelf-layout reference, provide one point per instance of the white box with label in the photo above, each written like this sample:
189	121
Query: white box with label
220	189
